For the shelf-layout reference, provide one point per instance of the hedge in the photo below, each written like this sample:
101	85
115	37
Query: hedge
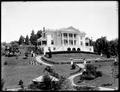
64	52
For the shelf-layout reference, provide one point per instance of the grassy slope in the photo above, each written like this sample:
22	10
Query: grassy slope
106	78
19	69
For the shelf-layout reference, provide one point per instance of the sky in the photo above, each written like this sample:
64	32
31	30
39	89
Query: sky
95	18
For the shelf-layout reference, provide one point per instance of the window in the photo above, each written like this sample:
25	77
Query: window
44	42
70	35
74	35
71	42
52	42
86	44
74	42
65	42
65	35
81	43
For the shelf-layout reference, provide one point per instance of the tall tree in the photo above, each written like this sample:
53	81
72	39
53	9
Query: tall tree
27	40
39	34
101	46
21	40
33	38
113	47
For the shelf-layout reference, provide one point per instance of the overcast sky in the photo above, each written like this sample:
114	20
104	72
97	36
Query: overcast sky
95	18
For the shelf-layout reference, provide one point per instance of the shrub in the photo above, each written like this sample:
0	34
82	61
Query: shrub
90	73
98	74
5	63
88	77
107	84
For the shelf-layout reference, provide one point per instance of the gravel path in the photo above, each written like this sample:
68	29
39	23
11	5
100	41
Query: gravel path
38	58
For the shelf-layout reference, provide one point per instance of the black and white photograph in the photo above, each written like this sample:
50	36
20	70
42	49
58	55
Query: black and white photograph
59	46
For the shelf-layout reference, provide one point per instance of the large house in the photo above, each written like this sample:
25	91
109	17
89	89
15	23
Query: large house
64	39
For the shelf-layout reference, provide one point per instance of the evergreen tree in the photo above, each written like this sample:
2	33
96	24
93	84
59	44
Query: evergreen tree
21	40
39	34
33	38
27	40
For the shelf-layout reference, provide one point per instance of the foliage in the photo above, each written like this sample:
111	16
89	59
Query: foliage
27	40
21	84
33	38
113	45
13	49
47	81
5	63
21	40
108	48
39	34
90	73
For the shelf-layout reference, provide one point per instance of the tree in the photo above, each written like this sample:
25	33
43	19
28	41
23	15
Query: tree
21	40
14	47
102	46
113	47
39	34
33	38
27	40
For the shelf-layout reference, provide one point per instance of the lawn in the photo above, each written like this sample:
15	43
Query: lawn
106	77
19	69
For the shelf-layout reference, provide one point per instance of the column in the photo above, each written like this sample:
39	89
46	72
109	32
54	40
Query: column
68	38
73	38
62	39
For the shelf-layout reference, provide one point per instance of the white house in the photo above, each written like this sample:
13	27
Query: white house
64	39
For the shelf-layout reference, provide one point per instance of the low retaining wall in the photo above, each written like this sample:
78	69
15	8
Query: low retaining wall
63	52
76	62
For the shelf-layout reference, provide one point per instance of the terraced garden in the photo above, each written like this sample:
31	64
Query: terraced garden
21	69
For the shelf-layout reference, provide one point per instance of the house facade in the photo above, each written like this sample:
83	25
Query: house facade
64	39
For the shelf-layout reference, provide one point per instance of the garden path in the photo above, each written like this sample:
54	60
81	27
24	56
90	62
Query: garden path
38	58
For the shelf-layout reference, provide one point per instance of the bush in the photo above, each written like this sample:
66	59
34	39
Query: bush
98	74
88	77
90	73
107	84
5	63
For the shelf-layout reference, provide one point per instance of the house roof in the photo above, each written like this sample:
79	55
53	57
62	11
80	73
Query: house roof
68	30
